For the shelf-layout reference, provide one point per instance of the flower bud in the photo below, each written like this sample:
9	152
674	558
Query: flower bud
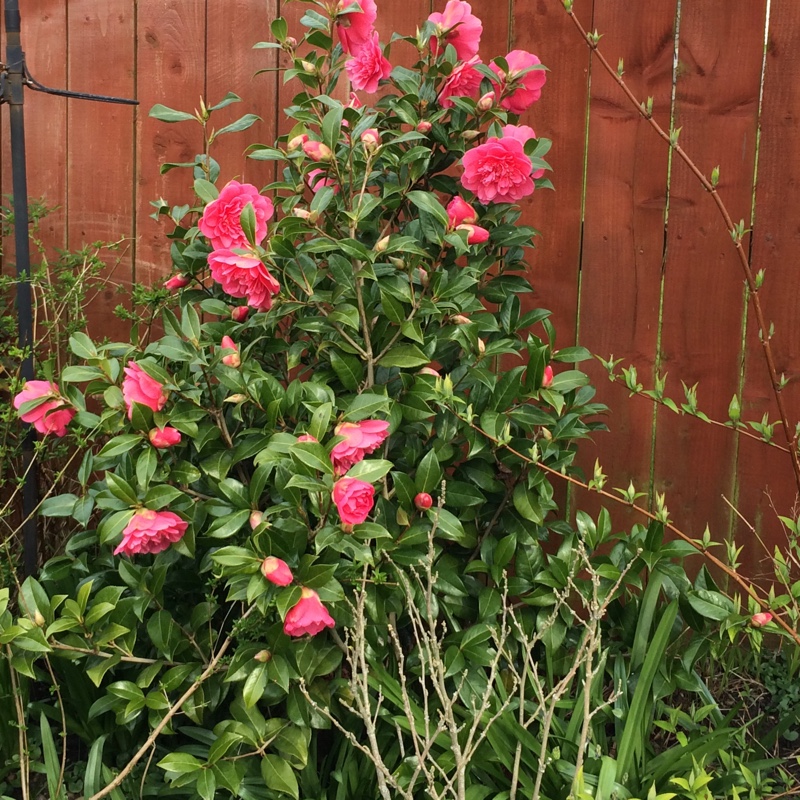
423	276
459	319
306	437
470	135
381	245
481	347
263	656
547	378
290	42
235	398
232	359
177	282
371	139
308	67
424	126
297	141
276	571
256	517
239	314
486	102
398	263
475	234
301	213
429	371
423	501
38	619
317	151
165	437
761	619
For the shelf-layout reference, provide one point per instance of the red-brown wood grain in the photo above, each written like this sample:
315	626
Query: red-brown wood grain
100	149
171	59
623	236
766	484
703	295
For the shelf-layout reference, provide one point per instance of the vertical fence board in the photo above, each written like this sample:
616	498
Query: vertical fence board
544	28
494	14
776	249
100	154
233	27
695	462
45	119
624	227
171	54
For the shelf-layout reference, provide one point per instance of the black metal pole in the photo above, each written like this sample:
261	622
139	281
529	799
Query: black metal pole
13	96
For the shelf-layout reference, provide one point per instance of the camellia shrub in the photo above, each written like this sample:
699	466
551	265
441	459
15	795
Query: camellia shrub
348	397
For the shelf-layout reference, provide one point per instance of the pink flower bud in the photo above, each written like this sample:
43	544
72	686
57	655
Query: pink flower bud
239	314
177	282
371	139
423	277
232	359
459	319
306	437
165	437
276	571
486	102
290	42
297	141
354	101
761	619
256	518
429	371
317	151
460	212
423	501
424	126
304	213
475	234
547	378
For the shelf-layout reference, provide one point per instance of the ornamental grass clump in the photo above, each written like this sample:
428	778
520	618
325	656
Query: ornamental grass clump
342	392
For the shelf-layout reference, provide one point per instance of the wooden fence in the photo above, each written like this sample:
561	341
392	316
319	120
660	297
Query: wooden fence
634	259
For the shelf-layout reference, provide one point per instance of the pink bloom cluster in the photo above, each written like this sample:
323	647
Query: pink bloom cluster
367	65
463	81
150	532
354	500
360	439
139	387
50	416
458	26
499	171
239	274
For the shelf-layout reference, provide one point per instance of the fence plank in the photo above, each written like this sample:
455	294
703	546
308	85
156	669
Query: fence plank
695	462
624	227
171	49
234	26
775	249
100	153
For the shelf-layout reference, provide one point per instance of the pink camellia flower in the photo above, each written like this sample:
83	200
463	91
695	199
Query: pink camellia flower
165	437
317	151
463	81
150	532
318	179
306	437
459	211
243	276
139	387
50	416
458	26
308	616
355	27
522	133
221	223
528	86
361	439
232	359
276	571
424	126
475	234
547	378
498	171
177	282
354	500
368	66
240	313
297	141
761	619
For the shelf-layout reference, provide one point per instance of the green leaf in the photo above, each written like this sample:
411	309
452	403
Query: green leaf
52	764
226	526
279	776
248	221
180	763
527	504
205	190
370	470
61	505
255	685
120	445
348	368
427	202
241	124
429	473
449	527
166	114
320	420
82	346
312	455
365	406
405	356
94	767
229	99
711	605
121	489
